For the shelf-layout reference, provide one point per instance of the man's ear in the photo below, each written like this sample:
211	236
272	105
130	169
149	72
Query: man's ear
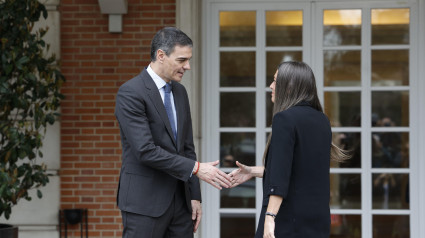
160	55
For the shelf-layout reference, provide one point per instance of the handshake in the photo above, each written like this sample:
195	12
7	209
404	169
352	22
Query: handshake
217	178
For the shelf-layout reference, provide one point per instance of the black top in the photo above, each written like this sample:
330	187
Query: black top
297	169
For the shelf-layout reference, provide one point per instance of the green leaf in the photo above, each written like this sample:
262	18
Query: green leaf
39	194
23	60
22	154
8	69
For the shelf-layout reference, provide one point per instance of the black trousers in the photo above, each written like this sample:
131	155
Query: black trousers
176	222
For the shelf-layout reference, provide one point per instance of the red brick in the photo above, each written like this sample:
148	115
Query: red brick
87	165
87	186
87	199
86	179
70	199
87	193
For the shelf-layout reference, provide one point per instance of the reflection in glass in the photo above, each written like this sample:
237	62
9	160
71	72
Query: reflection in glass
269	109
385	226
284	28
342	67
237	69
343	108
390	150
390	26
273	59
345	191
241	196
237	109
230	225
237	28
390	67
342	27
237	146
390	191
391	106
346	226
350	141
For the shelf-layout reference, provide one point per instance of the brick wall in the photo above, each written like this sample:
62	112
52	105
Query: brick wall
95	63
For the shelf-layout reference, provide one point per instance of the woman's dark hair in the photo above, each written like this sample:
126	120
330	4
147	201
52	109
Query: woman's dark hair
295	83
166	39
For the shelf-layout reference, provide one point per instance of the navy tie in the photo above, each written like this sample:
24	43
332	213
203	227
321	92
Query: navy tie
169	108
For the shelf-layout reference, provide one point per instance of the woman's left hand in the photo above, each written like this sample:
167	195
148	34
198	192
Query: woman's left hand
269	227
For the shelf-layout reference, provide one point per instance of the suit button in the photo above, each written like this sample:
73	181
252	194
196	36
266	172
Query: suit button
272	190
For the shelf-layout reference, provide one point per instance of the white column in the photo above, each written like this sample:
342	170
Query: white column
421	78
187	20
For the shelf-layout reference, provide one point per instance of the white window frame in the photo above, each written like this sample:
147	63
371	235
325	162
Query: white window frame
366	129
312	16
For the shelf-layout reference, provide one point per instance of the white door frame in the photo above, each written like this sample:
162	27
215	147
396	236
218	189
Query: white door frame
210	91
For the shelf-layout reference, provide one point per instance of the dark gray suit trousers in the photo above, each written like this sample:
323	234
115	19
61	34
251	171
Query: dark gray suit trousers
176	222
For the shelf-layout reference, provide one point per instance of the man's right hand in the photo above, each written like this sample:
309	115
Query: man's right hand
212	175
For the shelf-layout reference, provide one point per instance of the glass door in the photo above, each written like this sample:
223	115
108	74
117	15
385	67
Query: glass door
362	58
364	61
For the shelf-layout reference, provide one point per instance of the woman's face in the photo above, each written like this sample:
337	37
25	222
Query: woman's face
273	86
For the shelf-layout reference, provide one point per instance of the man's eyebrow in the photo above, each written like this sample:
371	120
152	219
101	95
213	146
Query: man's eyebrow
183	58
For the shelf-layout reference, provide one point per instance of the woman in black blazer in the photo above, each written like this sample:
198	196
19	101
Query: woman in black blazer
296	159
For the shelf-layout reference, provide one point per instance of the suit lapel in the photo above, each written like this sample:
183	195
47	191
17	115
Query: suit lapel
155	97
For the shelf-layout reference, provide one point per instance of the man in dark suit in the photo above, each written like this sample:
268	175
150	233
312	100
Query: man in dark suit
158	192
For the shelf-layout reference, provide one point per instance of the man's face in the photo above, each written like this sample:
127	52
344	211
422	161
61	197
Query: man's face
174	65
273	86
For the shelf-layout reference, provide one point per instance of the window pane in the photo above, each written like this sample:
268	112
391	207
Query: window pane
273	59
390	26
237	69
390	150
346	226
284	28
391	107
237	28
390	191
342	68
342	27
237	147
390	67
241	196
231	225
351	142
345	191
237	109
343	108
385	226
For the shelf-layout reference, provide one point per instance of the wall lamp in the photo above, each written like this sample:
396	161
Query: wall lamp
115	9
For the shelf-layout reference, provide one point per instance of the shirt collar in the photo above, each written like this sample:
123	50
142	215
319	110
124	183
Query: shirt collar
160	83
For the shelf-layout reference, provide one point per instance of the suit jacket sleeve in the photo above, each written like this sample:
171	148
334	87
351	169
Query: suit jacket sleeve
134	122
279	164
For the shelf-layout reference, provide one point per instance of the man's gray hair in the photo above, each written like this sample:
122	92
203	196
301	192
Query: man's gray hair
166	39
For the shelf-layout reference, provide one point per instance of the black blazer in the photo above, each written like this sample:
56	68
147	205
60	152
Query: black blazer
152	160
297	169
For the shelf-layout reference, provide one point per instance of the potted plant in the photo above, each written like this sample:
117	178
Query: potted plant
29	87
